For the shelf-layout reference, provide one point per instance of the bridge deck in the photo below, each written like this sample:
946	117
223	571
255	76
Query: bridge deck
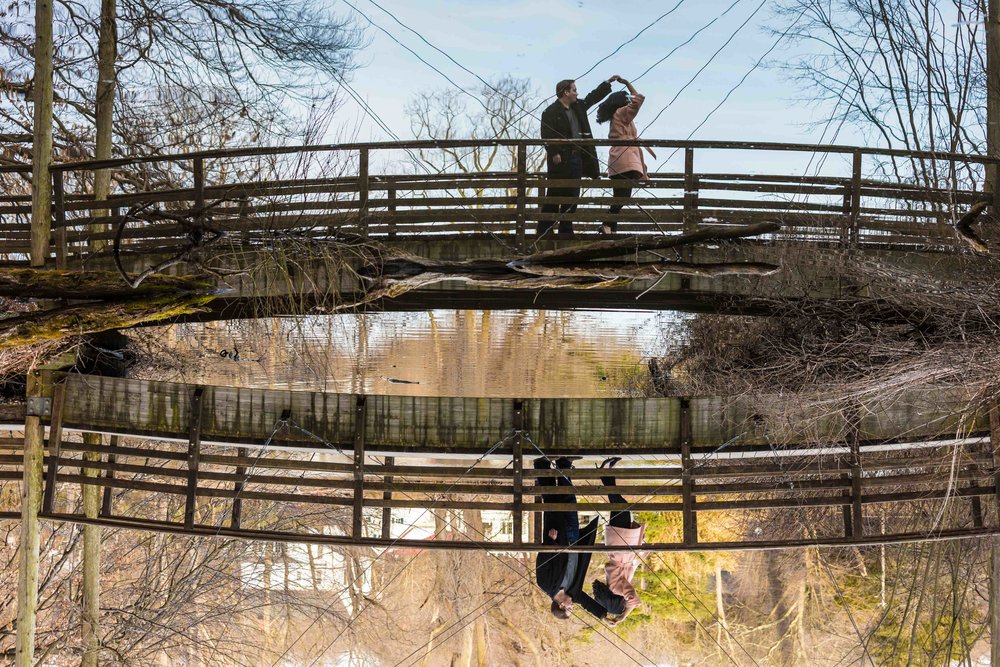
337	468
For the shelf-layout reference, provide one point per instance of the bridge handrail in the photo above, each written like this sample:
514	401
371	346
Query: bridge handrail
470	143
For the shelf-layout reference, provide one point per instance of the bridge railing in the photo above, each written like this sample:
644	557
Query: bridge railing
389	190
328	463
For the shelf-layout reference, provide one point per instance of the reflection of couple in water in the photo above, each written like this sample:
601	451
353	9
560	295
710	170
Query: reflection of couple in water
561	575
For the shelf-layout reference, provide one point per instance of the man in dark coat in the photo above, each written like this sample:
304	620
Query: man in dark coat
566	118
561	575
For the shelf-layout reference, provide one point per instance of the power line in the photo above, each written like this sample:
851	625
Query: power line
707	63
688	40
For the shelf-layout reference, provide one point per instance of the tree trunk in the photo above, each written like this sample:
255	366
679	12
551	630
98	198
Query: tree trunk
107	49
91	560
31	501
41	154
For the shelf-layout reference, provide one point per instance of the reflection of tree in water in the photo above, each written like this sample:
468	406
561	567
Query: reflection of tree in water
518	353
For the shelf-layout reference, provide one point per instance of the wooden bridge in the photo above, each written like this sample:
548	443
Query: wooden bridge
728	473
320	191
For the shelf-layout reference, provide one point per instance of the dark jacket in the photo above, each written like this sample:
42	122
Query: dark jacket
555	125
550	568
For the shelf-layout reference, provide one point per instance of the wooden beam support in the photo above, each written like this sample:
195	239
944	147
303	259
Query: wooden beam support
193	457
688	514
357	527
690	210
518	457
55	443
387	495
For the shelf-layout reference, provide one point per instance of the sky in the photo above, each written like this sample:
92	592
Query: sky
555	39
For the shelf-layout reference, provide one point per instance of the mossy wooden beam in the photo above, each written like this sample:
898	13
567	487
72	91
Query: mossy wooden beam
102	285
80	319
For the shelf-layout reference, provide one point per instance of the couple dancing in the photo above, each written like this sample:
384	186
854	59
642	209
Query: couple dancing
562	575
566	118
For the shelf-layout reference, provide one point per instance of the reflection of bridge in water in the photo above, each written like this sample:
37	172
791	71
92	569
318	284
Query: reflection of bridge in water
729	473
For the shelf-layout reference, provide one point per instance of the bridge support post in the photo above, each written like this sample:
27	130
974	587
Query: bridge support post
31	502
91	612
387	495
518	458
688	515
193	458
357	527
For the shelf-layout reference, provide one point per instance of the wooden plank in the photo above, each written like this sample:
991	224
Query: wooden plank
193	456
391	207
55	442
517	507
387	495
357	527
994	419
198	176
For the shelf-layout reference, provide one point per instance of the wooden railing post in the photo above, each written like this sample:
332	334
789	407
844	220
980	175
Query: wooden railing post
359	468
241	471
198	174
690	208
518	459
55	445
688	515
852	230
387	495
857	515
522	195
106	506
363	192
193	457
59	208
391	195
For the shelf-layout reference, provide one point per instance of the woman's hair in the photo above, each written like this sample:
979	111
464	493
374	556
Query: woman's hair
609	106
558	611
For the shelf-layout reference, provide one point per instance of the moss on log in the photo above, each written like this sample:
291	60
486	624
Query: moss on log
103	285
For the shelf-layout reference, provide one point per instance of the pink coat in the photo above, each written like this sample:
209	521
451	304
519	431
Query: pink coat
626	158
621	565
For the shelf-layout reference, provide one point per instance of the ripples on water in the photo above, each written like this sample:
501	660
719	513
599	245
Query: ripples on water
443	353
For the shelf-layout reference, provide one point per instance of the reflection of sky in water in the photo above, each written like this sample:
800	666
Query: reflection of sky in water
469	353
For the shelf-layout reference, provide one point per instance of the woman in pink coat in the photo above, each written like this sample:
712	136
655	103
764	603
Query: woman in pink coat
624	162
624	532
